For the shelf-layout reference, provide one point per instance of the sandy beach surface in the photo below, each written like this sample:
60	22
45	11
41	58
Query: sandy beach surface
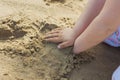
24	55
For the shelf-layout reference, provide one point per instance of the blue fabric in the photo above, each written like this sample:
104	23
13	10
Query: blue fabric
114	39
116	74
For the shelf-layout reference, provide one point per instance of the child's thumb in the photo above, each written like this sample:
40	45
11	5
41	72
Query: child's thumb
64	45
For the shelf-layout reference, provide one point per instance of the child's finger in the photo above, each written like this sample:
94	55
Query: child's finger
64	45
52	35
52	32
54	39
57	29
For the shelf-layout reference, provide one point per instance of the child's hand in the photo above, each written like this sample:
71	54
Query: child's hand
63	36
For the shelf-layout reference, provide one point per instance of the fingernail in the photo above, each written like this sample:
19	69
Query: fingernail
58	47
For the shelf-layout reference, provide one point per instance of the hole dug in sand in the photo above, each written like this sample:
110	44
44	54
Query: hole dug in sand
5	34
10	30
38	60
62	1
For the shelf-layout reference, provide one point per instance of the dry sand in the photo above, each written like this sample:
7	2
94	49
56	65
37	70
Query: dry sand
26	56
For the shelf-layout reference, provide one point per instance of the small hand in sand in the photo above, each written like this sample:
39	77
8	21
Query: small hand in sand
62	36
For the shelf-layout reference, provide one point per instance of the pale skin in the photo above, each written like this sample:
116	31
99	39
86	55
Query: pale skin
99	20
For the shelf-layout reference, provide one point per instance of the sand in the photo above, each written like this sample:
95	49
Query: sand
21	39
26	56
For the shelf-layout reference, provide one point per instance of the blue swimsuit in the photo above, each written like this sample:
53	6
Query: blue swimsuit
114	39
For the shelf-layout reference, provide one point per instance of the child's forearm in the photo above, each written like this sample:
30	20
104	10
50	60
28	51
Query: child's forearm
92	36
104	25
92	10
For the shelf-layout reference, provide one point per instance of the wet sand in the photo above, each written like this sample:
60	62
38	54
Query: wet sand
107	59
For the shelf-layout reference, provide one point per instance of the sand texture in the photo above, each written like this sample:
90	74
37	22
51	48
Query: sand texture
25	54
